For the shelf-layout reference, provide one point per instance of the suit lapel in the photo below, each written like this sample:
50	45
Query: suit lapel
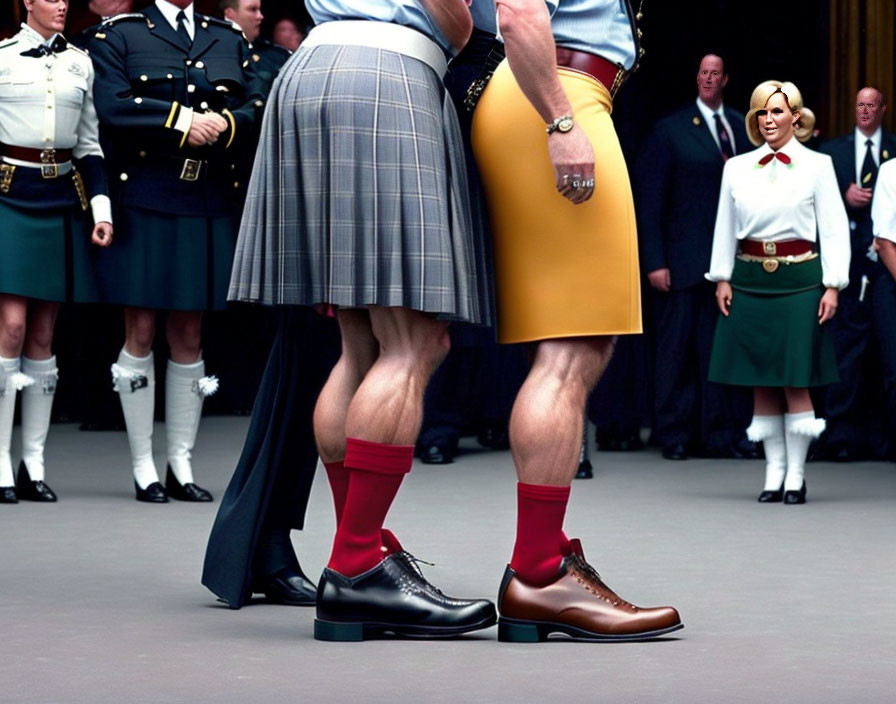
699	132
161	29
202	39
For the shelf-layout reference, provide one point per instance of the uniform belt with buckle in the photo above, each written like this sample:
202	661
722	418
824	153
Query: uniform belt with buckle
48	160
772	254
192	169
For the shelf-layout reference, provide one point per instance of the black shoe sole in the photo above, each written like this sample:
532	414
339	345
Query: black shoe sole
366	630
515	631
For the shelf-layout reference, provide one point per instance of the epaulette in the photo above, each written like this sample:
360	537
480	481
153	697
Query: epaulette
123	17
218	22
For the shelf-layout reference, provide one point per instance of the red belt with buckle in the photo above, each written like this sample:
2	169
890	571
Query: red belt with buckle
608	73
776	249
38	156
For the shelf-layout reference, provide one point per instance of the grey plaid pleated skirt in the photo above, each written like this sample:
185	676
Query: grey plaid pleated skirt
359	194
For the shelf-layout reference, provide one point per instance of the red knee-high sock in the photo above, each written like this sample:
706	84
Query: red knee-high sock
338	476
376	471
540	540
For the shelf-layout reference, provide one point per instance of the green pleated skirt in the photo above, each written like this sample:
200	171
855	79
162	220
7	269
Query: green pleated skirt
771	336
167	262
45	254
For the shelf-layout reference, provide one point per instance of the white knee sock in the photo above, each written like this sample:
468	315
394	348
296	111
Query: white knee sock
801	429
11	381
37	405
134	379
770	430
186	386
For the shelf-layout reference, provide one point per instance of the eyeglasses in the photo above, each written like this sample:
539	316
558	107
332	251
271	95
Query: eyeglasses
862	106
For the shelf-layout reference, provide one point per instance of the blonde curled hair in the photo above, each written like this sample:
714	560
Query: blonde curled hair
803	128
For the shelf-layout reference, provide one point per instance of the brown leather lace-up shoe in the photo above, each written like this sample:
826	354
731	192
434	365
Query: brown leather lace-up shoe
577	603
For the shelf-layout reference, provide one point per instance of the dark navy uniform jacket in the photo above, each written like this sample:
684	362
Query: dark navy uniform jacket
268	59
146	80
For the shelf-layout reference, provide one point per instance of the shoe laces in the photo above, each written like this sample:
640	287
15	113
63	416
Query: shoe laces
414	563
592	575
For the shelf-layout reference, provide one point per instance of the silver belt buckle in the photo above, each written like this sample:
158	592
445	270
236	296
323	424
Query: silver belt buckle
190	170
48	166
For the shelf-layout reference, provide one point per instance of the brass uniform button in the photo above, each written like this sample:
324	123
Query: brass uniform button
770	265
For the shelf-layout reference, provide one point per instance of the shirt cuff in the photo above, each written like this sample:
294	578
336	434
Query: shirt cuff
101	207
184	119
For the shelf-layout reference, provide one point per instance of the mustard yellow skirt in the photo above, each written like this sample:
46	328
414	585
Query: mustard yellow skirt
561	270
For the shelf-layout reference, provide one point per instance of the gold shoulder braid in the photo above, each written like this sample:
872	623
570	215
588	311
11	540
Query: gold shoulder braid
79	187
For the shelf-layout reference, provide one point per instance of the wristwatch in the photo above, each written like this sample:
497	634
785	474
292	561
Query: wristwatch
561	124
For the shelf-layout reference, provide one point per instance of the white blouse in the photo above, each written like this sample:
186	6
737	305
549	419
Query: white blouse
779	201
883	207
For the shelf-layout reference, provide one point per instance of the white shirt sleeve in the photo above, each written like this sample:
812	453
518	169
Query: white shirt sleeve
883	207
724	239
88	125
833	228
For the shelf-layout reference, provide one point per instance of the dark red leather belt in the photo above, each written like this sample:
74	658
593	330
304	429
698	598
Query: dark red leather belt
776	249
38	156
609	74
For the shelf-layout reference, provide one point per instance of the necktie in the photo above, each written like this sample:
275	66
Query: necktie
725	145
182	30
57	45
783	158
869	167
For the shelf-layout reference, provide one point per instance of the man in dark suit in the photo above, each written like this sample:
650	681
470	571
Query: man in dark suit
679	177
848	403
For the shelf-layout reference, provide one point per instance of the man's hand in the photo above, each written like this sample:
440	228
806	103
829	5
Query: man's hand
205	128
660	279
724	296
573	159
857	197
102	234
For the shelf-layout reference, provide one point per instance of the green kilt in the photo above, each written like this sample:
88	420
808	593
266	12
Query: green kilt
771	336
167	262
45	254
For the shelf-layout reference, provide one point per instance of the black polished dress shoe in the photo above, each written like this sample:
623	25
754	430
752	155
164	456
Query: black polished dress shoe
771	497
437	454
796	497
153	494
494	436
585	470
8	495
28	490
288	586
184	492
675	452
393	597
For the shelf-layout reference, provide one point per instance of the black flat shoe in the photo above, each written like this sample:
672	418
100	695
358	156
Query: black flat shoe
28	490
8	495
796	497
771	497
585	470
393	597
287	586
153	494
184	492
436	454
675	452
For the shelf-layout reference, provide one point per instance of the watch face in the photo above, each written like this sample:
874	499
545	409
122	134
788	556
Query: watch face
565	125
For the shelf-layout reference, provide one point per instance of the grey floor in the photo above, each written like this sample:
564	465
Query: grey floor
100	598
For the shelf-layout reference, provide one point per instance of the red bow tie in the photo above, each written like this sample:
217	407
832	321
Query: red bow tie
783	158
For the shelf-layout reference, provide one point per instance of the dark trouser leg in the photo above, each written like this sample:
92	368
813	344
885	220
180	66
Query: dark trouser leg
675	369
843	410
884	311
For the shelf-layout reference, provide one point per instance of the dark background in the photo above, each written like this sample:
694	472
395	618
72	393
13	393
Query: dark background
785	41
